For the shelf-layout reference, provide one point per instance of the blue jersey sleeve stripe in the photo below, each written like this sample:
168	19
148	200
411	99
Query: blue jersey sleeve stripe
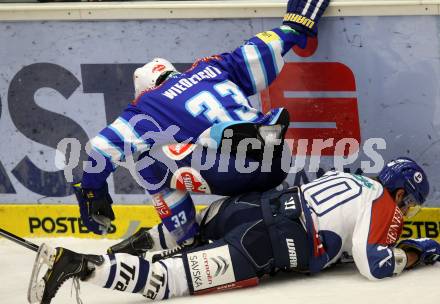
265	73
122	140
268	63
128	135
106	156
255	66
238	71
276	114
275	48
125	122
115	139
178	199
249	71
107	148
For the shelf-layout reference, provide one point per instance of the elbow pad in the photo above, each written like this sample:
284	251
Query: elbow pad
400	260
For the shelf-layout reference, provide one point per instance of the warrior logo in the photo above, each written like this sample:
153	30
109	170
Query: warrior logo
292	253
290	204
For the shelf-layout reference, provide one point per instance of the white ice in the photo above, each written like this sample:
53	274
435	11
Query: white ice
341	284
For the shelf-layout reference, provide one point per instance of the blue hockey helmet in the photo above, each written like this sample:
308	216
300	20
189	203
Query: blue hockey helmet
405	173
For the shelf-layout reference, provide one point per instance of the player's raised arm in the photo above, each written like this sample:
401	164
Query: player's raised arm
255	65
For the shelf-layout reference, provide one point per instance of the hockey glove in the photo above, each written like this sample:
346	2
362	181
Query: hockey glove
95	208
427	249
304	15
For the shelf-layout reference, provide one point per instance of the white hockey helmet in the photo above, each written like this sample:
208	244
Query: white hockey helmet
146	77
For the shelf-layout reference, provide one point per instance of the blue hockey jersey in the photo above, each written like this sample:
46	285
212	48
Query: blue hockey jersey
210	96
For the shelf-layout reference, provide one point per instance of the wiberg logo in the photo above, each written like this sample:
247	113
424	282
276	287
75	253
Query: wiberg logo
292	253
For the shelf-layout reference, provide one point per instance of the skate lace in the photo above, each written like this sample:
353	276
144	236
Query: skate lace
172	251
167	253
77	287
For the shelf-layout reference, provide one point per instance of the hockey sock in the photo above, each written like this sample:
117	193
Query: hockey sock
156	281
162	238
178	214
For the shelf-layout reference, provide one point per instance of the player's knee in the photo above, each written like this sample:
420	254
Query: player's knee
217	267
166	279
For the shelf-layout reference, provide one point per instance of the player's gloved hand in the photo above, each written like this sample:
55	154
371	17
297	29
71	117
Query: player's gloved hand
304	15
95	208
427	249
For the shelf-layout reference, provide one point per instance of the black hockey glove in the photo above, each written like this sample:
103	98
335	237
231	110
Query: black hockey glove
304	15
95	208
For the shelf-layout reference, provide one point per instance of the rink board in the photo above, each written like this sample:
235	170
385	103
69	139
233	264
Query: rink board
64	221
381	78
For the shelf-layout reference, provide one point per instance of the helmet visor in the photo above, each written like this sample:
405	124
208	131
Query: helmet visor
410	206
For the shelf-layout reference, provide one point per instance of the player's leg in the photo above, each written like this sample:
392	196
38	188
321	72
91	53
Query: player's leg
214	221
242	254
174	207
216	266
123	272
158	238
248	249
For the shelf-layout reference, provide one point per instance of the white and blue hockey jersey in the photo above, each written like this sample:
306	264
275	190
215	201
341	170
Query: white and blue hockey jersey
212	95
354	215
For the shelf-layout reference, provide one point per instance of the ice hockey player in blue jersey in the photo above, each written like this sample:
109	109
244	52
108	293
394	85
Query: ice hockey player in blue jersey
304	229
206	106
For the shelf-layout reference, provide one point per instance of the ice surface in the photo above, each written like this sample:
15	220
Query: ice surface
340	284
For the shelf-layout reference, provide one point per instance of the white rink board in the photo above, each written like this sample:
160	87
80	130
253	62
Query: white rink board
342	284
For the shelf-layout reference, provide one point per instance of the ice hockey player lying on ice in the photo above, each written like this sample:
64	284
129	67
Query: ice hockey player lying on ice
202	104
302	229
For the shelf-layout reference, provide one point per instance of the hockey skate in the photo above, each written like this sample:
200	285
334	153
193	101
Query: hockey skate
142	242
137	244
167	253
62	264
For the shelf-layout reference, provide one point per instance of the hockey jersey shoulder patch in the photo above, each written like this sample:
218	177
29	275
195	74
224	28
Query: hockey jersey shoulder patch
269	36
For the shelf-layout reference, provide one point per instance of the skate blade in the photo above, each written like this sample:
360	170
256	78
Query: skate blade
45	257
